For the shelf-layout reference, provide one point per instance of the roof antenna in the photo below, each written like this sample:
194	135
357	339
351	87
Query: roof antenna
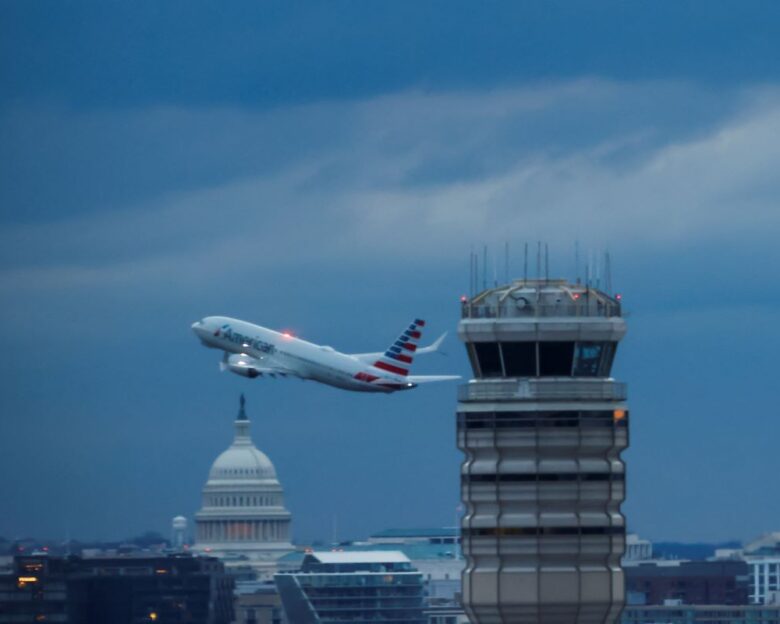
538	261
546	264
577	261
608	273
587	271
506	261
598	271
525	264
475	284
471	273
484	267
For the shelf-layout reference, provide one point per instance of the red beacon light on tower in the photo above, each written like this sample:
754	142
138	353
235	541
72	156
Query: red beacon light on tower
618	297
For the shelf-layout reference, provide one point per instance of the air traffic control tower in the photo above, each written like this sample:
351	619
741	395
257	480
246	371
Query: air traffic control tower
542	425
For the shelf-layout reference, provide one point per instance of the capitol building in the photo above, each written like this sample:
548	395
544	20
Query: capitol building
243	520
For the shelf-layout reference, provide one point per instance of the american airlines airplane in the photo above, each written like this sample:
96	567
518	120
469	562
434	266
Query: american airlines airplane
254	351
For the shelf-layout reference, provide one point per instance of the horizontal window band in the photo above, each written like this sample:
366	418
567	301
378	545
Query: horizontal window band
541	531
544	477
573	415
543	420
545	424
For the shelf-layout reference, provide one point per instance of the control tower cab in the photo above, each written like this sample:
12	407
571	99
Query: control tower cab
542	425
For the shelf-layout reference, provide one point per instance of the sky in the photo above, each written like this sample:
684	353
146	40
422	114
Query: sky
326	167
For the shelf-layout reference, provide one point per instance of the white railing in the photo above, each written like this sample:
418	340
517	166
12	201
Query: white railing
510	309
543	390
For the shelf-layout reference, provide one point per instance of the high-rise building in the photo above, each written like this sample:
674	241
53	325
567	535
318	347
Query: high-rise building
243	520
542	425
354	587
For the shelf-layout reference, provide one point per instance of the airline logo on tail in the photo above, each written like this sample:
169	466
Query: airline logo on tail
398	358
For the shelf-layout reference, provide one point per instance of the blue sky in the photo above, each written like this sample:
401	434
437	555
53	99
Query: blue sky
326	167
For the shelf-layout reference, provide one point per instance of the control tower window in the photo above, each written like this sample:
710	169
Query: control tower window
489	359
555	359
519	358
586	363
607	358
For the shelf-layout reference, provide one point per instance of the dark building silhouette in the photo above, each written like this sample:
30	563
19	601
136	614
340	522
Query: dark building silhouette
688	583
119	590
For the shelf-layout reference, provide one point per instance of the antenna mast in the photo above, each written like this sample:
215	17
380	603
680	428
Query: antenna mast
506	261
525	264
484	267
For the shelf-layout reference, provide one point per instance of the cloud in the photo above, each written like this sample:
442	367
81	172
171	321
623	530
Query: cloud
409	176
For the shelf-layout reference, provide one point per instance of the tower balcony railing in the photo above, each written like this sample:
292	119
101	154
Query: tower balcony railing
585	307
552	389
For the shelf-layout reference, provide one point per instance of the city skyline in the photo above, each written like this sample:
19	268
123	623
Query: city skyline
330	177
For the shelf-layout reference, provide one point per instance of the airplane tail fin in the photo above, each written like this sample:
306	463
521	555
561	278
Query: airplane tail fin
399	355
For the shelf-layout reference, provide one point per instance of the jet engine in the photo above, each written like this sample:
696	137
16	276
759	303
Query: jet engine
242	365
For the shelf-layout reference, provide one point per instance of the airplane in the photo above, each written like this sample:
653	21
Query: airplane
254	351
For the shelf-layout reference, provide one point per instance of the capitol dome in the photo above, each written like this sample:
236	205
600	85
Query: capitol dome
243	462
243	519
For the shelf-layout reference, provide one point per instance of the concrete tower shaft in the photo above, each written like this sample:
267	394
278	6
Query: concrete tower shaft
542	425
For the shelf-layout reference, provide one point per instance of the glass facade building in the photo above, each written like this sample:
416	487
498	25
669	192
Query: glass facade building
355	587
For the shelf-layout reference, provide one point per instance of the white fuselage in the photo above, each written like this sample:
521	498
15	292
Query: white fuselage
281	353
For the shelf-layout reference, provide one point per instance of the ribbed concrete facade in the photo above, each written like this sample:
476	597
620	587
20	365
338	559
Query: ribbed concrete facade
542	426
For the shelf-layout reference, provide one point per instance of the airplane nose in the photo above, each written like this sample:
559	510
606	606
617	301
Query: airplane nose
195	326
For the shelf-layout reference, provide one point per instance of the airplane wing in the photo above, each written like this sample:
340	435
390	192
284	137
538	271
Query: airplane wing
247	366
418	379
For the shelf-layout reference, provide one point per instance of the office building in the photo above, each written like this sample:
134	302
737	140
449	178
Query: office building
701	614
542	425
120	590
763	557
687	583
356	587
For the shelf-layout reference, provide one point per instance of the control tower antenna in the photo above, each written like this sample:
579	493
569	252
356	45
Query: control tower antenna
587	271
546	263
597	261
577	261
484	267
607	273
475	273
539	260
506	261
471	273
525	264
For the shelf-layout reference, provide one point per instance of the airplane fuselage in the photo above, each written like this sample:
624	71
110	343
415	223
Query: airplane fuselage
281	353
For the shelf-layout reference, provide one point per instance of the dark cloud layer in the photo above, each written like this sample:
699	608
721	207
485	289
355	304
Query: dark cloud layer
115	54
327	169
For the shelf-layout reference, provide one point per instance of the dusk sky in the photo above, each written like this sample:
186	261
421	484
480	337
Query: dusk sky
326	167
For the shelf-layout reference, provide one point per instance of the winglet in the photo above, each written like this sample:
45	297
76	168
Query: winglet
433	347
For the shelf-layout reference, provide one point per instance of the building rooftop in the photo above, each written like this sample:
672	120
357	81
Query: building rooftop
534	298
411	533
372	556
415	551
